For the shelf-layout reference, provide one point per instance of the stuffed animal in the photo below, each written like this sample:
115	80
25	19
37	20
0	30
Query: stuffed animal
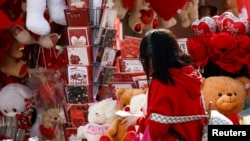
51	125
100	115
227	95
35	20
141	17
117	131
189	13
10	60
230	6
16	100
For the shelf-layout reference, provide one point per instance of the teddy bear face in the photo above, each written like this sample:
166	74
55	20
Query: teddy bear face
52	116
102	112
226	94
12	99
124	96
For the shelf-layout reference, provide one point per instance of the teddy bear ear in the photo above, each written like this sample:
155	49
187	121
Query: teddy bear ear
246	82
119	92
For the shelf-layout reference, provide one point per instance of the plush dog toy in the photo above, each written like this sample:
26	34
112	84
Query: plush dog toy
35	20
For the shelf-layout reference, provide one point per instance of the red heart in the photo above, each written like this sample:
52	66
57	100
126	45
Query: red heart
167	9
147	15
203	26
77	121
233	26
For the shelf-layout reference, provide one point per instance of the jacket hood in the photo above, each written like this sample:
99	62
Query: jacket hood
189	79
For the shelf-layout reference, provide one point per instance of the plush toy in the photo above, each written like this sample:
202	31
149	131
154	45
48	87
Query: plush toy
141	17
35	20
189	13
51	125
10	60
117	131
230	6
100	116
227	95
16	100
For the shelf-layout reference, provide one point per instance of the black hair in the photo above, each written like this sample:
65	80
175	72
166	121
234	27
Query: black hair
165	54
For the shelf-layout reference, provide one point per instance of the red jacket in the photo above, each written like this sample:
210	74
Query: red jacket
180	100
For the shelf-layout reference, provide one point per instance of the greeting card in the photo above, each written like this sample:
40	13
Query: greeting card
77	17
78	36
76	114
130	65
78	75
77	94
108	38
130	47
108	18
77	4
79	55
108	56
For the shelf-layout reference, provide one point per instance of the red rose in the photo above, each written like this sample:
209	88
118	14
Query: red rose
242	49
198	52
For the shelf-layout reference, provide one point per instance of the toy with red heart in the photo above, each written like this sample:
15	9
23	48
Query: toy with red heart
203	26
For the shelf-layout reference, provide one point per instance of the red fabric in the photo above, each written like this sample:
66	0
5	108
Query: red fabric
167	9
180	100
235	119
48	133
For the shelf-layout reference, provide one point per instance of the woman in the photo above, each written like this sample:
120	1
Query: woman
174	89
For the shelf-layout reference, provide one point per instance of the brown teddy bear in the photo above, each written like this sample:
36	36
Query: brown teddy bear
51	125
227	95
11	62
117	131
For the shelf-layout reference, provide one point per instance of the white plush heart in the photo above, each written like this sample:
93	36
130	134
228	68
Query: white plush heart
78	41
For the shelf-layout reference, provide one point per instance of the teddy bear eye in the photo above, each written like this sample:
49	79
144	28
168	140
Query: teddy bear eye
220	94
235	94
14	110
5	111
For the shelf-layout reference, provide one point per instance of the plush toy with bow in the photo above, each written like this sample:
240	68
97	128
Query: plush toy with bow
35	20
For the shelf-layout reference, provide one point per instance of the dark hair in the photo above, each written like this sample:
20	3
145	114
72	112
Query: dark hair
165	53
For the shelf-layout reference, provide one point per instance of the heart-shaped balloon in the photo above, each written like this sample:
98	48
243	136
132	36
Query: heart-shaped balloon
167	9
203	26
234	25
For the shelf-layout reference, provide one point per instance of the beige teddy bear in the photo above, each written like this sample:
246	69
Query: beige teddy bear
189	13
51	125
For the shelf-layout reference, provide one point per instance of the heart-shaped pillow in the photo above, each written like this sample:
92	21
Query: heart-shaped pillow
203	26
167	9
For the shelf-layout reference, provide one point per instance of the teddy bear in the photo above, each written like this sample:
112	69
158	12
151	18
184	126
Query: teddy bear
35	10
16	100
141	17
227	95
100	115
11	62
189	13
51	126
117	131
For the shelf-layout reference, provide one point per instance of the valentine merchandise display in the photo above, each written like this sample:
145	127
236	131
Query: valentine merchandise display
117	131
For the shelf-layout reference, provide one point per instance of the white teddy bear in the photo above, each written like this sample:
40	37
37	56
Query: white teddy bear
100	116
35	20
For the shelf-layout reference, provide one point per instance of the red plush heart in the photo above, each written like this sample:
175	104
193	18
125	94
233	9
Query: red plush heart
167	9
147	15
77	121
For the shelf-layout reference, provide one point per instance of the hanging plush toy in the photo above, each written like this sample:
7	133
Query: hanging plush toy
35	20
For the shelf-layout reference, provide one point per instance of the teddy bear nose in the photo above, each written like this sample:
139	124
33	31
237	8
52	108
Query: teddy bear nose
229	94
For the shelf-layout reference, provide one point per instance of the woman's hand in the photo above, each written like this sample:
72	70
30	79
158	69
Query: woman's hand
130	120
